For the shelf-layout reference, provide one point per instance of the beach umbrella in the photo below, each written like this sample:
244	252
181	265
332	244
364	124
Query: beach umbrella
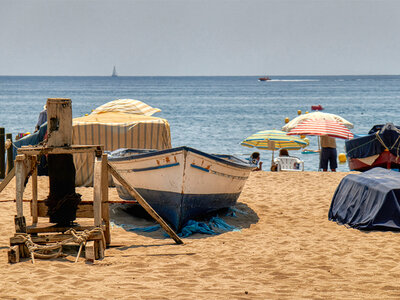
273	140
316	116
129	106
322	127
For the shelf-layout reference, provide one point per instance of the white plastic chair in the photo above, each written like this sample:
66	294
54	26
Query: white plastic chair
289	163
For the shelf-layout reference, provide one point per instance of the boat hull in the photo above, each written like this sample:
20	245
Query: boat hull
183	183
384	160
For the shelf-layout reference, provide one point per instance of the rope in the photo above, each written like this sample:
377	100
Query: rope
47	251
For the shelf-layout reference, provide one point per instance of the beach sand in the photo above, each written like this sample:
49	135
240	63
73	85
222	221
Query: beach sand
286	249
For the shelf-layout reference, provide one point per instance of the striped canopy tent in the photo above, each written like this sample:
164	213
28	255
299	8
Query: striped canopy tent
129	106
273	140
320	127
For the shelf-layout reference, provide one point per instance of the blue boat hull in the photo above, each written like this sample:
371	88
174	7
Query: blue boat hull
177	209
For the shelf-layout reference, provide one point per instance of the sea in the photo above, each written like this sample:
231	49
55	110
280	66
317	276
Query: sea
213	114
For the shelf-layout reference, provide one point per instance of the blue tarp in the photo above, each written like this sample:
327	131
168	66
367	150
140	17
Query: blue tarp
369	200
32	140
374	143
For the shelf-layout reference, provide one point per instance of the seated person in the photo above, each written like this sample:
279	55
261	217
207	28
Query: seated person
255	160
283	152
274	165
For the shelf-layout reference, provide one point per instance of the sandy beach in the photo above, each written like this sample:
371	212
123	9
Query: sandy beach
285	249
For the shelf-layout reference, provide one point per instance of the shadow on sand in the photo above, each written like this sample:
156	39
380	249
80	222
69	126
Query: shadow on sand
240	217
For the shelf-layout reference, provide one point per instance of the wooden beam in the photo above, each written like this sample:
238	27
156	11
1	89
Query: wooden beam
85	209
51	227
132	191
59	122
13	254
51	238
7	180
90	253
105	210
34	190
97	192
19	185
57	150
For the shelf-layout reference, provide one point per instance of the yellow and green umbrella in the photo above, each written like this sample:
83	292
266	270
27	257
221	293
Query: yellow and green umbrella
274	140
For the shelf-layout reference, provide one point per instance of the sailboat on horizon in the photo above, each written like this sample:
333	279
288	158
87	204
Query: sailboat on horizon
114	73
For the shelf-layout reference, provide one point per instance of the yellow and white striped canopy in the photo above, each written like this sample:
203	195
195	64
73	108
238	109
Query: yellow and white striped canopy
280	138
128	106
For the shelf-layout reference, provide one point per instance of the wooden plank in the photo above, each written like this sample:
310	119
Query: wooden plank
2	153
7	180
132	191
51	238
99	249
85	209
105	210
58	150
90	253
97	192
34	190
50	227
13	254
20	224
19	185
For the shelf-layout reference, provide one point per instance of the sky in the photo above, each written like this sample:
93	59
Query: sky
199	37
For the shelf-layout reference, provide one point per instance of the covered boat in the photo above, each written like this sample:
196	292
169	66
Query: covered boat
181	183
115	130
380	148
368	200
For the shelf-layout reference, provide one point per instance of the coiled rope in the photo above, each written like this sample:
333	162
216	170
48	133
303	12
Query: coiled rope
55	250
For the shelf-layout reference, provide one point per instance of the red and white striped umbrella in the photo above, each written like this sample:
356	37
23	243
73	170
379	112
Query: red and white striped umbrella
321	127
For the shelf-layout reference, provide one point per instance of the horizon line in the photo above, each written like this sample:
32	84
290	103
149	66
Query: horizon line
321	75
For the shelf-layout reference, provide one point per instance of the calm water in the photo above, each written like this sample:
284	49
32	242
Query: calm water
213	114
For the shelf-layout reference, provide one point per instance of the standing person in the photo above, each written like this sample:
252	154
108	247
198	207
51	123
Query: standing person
42	118
328	153
255	160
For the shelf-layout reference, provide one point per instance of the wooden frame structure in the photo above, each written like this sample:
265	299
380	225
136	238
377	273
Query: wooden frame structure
41	233
95	236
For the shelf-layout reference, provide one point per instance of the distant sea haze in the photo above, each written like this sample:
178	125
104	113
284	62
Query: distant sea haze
213	114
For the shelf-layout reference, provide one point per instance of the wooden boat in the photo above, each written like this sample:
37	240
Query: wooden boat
181	183
380	148
264	78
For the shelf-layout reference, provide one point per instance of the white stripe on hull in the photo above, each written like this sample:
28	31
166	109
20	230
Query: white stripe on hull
183	172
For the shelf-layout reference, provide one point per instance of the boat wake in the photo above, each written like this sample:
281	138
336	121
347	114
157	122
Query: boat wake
292	80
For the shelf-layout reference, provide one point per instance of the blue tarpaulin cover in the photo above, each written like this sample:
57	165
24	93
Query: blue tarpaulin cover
369	200
374	143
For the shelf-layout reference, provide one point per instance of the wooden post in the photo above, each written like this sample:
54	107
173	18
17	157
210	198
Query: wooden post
13	254
105	211
59	122
20	224
2	154
10	154
97	192
132	191
34	190
62	200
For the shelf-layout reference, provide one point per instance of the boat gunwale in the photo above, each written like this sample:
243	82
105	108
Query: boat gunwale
242	164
